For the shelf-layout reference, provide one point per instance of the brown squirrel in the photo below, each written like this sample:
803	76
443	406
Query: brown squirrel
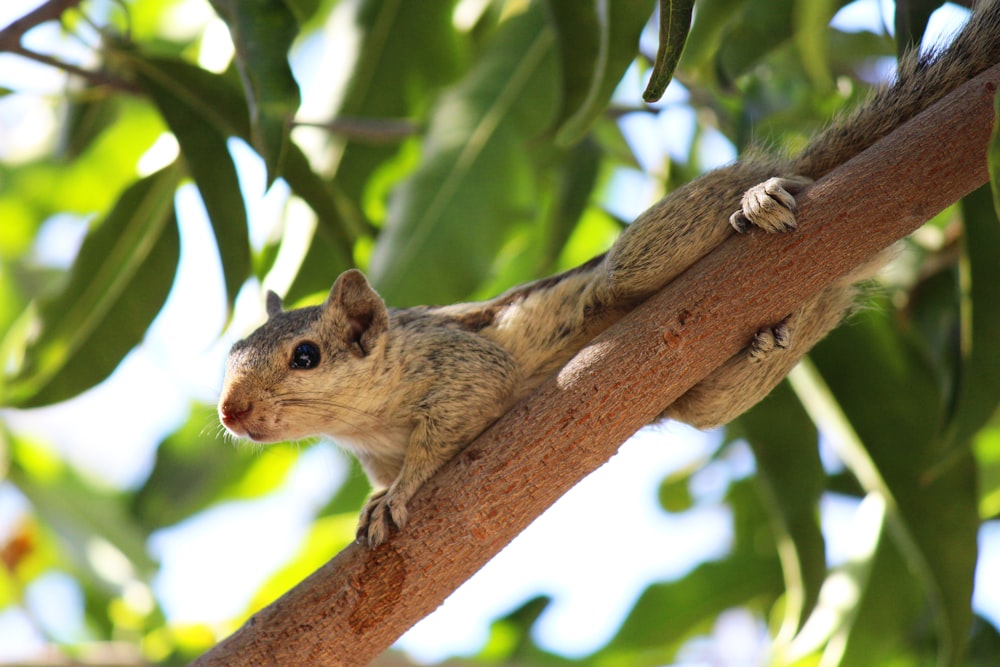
406	389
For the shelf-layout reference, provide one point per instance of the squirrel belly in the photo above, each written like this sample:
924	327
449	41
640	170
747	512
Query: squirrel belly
407	389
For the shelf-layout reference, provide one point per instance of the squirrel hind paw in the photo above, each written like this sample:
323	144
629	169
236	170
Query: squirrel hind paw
769	340
769	205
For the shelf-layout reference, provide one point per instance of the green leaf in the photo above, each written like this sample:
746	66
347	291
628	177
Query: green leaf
666	613
263	32
79	513
575	183
476	179
979	388
811	21
217	100
596	41
710	22
87	117
785	445
675	22
207	158
911	21
764	25
885	616
117	285
869	606
889	394
192	470
406	51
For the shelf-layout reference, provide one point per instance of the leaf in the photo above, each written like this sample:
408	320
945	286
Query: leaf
889	394
764	25
191	472
675	22
207	158
884	618
87	117
406	51
262	32
666	613
710	22
575	184
993	155
869	606
476	179
596	42
80	514
911	21
811	21
117	285
217	100
785	445
979	388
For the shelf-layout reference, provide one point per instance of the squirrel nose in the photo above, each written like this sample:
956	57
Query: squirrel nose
231	414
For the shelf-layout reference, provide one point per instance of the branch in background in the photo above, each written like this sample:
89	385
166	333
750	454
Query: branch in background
368	130
356	605
12	36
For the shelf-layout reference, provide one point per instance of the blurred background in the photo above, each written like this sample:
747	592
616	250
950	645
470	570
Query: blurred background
152	187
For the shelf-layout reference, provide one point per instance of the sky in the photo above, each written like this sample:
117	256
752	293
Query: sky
212	563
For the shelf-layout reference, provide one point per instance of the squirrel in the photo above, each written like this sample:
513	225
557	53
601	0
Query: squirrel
406	389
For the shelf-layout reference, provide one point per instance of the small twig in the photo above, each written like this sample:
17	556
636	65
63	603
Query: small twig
10	37
95	77
369	130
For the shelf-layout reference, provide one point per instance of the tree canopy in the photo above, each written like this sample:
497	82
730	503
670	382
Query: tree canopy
452	149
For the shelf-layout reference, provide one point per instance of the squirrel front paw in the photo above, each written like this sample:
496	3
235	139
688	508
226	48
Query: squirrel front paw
383	510
770	339
769	205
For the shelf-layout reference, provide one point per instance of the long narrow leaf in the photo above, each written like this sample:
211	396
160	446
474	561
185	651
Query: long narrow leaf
785	445
209	162
597	42
675	22
476	180
262	32
889	394
117	285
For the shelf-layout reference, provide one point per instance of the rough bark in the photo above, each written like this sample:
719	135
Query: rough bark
356	605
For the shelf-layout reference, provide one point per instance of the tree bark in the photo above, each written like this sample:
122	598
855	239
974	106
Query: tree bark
356	605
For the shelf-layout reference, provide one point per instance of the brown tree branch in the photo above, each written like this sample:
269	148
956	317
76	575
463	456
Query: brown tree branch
355	606
11	35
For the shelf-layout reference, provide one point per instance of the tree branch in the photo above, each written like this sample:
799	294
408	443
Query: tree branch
10	37
355	606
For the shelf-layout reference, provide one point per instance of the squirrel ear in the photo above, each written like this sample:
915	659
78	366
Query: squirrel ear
273	304
358	309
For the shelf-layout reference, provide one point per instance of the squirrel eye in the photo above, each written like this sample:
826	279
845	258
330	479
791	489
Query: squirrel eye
306	355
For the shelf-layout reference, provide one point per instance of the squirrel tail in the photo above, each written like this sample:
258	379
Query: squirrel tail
921	80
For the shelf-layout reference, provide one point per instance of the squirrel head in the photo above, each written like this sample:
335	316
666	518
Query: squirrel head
288	378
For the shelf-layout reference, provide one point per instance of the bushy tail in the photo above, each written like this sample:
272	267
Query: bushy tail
921	80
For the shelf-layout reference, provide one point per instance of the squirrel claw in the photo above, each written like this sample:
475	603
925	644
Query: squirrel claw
383	511
769	339
769	205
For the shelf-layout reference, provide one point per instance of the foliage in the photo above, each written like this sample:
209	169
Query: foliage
465	147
